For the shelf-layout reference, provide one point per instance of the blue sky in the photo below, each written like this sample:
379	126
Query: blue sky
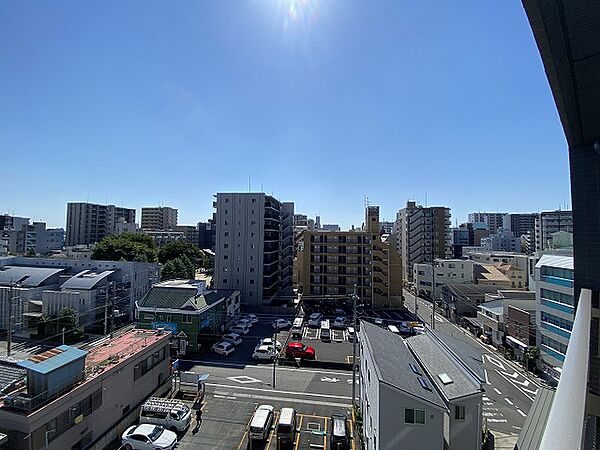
321	102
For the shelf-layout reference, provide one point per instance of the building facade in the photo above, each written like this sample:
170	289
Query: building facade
88	223
254	246
422	234
493	220
502	240
548	223
159	218
447	271
520	223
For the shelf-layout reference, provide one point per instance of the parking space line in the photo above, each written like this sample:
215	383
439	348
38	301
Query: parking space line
267	445
325	435
298	434
243	438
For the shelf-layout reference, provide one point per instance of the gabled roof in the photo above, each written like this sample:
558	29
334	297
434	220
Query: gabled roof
10	373
451	378
179	298
392	360
27	276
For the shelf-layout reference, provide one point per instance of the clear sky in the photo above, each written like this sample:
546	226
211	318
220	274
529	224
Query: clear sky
321	102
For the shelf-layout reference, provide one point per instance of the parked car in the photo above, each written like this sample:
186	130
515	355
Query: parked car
269	342
314	320
339	438
281	324
148	437
380	323
232	338
171	414
405	330
223	348
264	352
251	317
351	334
244	322
299	350
261	422
239	329
340	323
418	330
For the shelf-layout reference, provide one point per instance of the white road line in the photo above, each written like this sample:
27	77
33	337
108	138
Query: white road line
522	413
487	380
508	401
497	391
511	382
309	394
294	400
269	368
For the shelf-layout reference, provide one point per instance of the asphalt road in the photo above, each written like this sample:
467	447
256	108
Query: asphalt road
509	389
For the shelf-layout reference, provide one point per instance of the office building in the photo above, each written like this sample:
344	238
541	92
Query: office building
493	220
422	234
67	398
386	227
330	227
206	234
501	241
447	271
468	235
331	263
254	246
550	222
159	218
416	393
556	310
88	223
8	222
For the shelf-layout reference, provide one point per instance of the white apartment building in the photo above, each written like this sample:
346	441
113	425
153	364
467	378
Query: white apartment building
422	234
447	271
254	246
159	218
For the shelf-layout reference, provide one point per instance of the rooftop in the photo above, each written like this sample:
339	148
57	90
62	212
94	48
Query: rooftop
393	361
182	294
495	307
27	276
52	359
448	373
86	279
562	262
490	272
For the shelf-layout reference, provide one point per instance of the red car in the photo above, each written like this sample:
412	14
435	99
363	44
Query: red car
299	350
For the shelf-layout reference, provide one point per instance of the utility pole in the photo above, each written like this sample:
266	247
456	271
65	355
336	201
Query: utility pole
275	356
432	278
106	313
354	338
9	339
63	335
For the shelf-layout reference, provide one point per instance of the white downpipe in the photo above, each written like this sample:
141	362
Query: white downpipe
565	426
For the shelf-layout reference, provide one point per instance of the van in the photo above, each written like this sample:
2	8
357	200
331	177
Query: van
296	332
171	414
351	334
286	426
340	436
325	331
261	423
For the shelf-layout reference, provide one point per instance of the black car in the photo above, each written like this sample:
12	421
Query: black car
340	435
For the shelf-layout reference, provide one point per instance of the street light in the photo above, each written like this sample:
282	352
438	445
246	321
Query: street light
354	338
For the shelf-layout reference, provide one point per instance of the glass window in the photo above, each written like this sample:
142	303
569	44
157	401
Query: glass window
459	412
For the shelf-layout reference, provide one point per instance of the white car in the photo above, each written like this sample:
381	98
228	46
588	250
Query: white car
148	437
269	342
339	323
232	338
281	324
223	348
239	329
263	352
251	317
244	322
314	320
418	330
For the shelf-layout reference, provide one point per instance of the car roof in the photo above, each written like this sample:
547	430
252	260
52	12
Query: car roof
144	429
339	425
224	344
264	348
234	335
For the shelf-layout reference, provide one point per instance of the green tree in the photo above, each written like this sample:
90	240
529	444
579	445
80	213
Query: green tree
30	252
52	326
178	249
177	268
126	247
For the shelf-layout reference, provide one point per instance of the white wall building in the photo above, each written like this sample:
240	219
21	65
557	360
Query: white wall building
447	271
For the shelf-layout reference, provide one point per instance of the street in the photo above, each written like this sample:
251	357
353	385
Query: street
509	389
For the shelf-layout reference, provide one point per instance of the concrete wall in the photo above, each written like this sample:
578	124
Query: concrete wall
466	434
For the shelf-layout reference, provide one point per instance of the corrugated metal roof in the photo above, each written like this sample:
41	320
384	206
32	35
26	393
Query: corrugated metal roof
531	434
66	355
392	360
176	297
85	280
9	373
27	276
562	262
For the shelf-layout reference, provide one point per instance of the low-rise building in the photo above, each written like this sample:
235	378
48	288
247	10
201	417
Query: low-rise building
416	394
67	398
447	271
189	310
503	240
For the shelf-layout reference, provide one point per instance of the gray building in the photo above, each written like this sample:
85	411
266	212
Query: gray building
416	394
88	223
159	218
550	222
493	220
422	234
502	240
520	223
254	246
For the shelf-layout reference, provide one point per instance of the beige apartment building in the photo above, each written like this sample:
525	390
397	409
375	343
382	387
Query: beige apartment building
159	218
331	263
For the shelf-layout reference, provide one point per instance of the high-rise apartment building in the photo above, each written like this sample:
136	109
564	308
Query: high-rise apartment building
549	222
519	223
88	223
422	234
331	263
159	218
493	220
254	246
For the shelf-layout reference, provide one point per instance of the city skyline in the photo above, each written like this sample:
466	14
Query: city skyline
300	99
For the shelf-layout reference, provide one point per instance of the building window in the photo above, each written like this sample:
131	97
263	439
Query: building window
252	281
251	246
225	245
226	212
251	269
226	233
459	412
225	257
414	416
224	280
252	234
187	318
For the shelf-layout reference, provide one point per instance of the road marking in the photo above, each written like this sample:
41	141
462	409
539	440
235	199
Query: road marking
486	399
329	380
298	434
269	368
497	391
487	380
288	400
243	379
508	401
511	382
310	394
497	420
522	413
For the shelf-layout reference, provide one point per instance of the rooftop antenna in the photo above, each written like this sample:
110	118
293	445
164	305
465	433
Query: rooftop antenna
425	199
249	183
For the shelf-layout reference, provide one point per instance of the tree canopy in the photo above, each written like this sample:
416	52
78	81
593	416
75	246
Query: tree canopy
126	247
177	249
